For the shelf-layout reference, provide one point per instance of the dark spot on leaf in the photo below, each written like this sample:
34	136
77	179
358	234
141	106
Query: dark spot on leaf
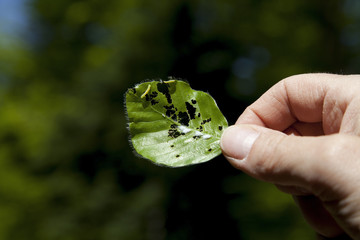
193	101
220	128
196	137
169	107
173	133
174	117
184	118
172	146
177	155
164	89
200	128
191	110
170	112
206	121
151	96
209	150
199	114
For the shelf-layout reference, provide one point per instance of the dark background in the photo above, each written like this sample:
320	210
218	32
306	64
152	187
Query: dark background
66	168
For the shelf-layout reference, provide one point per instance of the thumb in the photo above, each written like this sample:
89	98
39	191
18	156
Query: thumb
316	164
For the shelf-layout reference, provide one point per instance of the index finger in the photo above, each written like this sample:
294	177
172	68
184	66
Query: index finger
299	98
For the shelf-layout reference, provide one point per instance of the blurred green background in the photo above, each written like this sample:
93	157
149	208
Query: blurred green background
66	168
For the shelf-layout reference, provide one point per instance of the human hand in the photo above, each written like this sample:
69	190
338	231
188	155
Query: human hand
303	135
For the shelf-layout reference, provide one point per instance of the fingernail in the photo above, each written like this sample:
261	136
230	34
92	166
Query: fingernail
237	141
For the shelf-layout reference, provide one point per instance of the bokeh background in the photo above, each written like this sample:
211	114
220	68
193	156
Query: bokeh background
66	168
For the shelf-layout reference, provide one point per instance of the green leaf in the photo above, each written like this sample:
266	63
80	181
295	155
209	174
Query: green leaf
172	124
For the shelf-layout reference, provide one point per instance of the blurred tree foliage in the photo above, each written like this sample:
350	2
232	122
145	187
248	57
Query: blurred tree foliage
66	168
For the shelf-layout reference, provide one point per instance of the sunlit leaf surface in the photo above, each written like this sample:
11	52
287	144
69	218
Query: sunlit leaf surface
172	124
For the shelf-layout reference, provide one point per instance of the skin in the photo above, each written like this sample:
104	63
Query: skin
303	135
